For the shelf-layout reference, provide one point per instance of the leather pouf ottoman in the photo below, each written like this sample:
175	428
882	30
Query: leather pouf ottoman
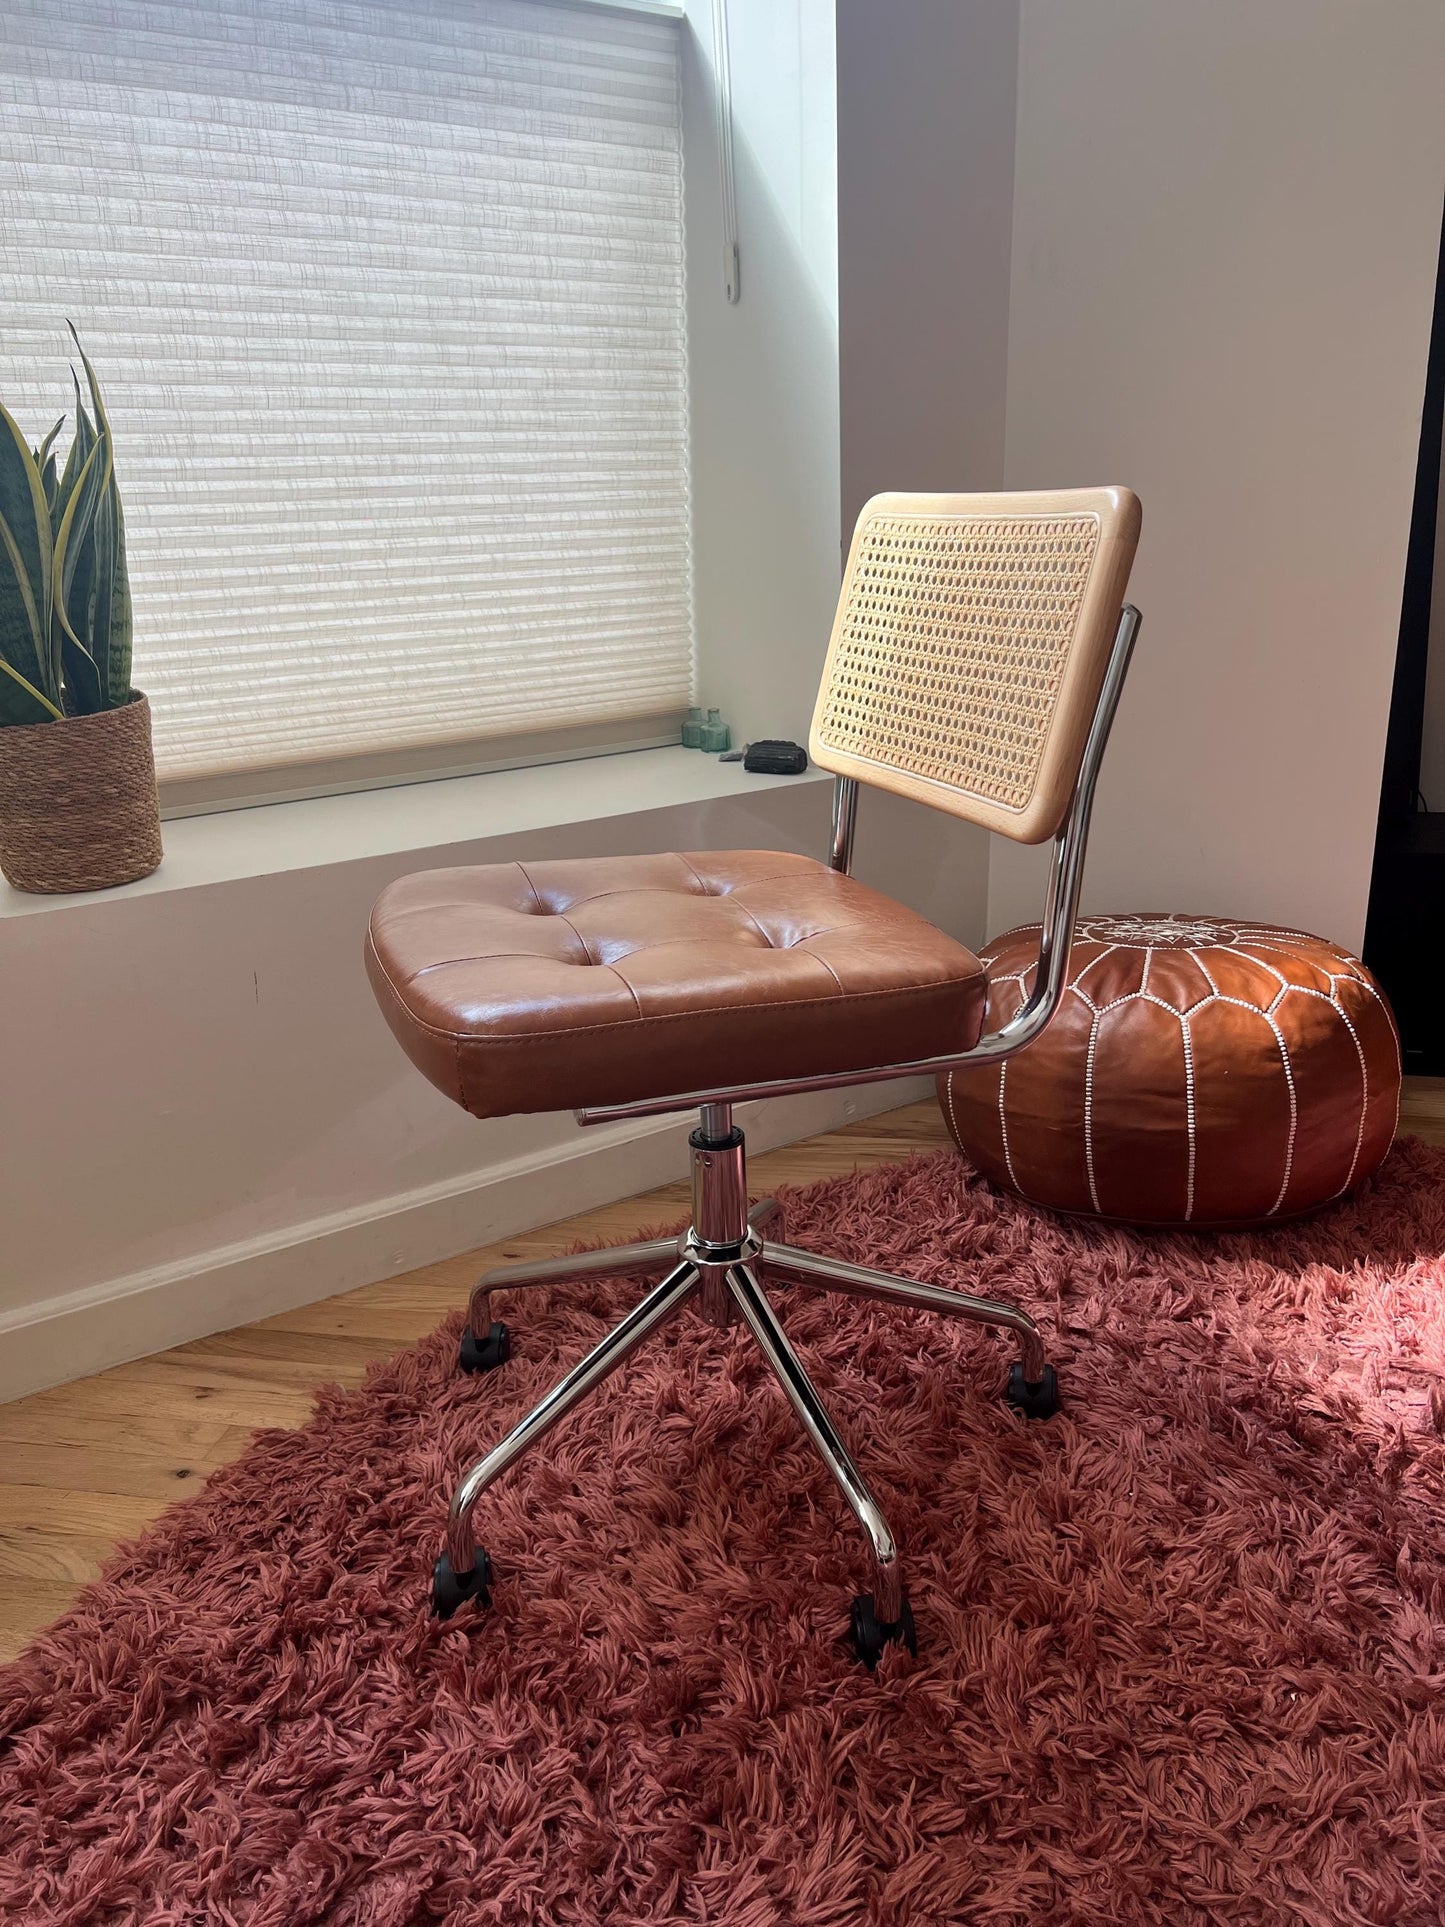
1199	1072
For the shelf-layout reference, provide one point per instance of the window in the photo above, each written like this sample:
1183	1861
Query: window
386	297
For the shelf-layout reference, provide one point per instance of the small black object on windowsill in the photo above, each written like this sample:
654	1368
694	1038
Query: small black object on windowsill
771	758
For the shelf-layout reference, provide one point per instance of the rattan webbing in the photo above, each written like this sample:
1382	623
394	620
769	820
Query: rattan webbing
951	651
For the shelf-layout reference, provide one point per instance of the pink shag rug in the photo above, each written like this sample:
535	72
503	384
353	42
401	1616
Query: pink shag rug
1181	1647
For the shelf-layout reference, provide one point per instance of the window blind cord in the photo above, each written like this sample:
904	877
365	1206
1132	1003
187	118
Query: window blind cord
727	176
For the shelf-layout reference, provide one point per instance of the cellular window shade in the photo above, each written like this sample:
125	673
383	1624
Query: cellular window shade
387	302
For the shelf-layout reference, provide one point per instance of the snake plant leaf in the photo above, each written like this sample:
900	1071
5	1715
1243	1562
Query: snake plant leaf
81	444
77	582
65	609
90	484
42	454
93	586
111	645
82	675
121	624
109	640
25	567
21	702
22	637
99	600
101	422
83	696
45	462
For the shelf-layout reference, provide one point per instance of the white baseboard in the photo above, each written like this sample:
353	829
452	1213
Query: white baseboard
81	1332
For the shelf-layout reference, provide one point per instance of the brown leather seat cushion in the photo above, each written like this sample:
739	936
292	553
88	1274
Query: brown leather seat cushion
553	986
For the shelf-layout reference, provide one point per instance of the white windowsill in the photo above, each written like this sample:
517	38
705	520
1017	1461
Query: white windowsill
279	837
661	9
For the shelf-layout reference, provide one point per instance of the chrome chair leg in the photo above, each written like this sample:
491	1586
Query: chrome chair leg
487	1344
884	1616
767	1211
717	1261
1032	1386
464	1570
715	1301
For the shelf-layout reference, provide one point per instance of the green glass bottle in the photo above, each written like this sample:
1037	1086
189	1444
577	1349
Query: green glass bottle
692	729
716	736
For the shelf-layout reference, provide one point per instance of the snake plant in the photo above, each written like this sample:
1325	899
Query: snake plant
65	617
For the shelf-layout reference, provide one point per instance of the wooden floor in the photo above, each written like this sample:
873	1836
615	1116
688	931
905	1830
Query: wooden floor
90	1463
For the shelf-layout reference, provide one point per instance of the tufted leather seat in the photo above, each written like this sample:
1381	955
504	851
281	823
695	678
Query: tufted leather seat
659	974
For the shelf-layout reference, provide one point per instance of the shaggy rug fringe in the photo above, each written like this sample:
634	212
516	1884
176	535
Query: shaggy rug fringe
1181	1654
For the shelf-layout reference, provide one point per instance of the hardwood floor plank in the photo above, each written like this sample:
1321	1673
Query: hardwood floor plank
28	1604
180	1435
122	1471
276	1357
65	1556
55	1512
233	1387
1422	1108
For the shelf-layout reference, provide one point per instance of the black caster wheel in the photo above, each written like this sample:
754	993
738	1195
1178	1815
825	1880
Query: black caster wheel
452	1589
1034	1401
488	1353
870	1634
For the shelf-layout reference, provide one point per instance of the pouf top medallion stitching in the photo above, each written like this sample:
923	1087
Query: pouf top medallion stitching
1173	932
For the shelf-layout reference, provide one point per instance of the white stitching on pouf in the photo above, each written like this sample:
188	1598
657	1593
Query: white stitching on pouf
1193	935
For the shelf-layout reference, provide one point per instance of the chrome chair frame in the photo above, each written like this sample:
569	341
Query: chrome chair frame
717	1261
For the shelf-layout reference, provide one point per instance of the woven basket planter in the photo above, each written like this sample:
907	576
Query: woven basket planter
78	806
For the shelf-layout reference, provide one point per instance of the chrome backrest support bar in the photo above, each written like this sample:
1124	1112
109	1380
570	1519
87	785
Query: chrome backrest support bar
845	819
1061	908
1066	872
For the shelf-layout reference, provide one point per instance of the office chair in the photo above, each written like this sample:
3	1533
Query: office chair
976	662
